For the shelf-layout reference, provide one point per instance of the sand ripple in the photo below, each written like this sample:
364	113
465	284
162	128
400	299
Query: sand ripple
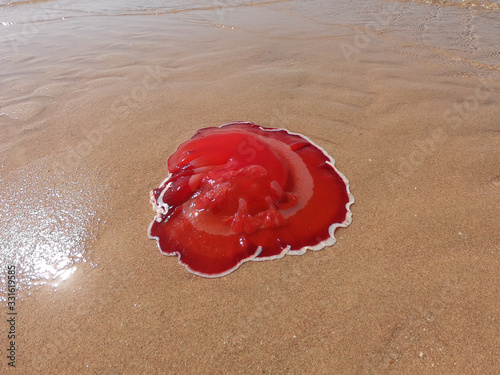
22	111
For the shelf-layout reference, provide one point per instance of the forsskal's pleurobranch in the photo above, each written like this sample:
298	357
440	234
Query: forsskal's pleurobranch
243	192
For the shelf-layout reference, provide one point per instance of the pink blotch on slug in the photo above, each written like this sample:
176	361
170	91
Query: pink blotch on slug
244	192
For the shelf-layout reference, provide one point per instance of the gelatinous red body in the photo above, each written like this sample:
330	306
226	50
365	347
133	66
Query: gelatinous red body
243	192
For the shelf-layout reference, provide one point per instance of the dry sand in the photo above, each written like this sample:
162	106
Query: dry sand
92	107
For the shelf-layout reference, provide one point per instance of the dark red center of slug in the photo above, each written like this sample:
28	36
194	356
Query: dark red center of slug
234	176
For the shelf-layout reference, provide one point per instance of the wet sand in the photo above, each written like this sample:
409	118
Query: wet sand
92	106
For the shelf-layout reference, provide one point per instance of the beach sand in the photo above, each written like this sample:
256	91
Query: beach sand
92	106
